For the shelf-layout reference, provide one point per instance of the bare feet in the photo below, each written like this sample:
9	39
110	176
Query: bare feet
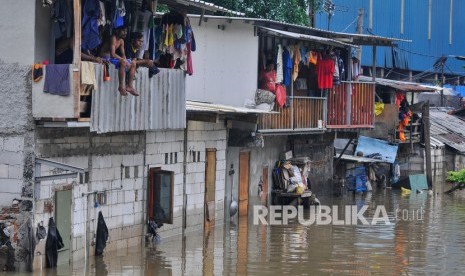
132	91
122	91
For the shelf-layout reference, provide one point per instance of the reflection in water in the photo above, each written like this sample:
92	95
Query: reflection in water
434	245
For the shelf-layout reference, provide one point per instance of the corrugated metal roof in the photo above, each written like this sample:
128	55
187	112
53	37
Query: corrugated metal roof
403	85
198	6
447	129
161	104
421	53
322	40
193	106
352	38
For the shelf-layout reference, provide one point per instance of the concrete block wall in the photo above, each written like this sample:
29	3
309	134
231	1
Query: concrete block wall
259	158
114	164
202	136
16	156
165	149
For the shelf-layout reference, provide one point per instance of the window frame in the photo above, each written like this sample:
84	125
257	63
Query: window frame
151	194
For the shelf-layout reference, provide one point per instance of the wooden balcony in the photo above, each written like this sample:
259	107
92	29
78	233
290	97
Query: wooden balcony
303	114
351	105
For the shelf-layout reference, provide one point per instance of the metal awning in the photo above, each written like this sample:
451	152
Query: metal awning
361	159
305	37
194	106
403	85
198	6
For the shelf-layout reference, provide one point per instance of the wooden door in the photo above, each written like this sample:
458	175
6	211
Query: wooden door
244	158
210	187
264	197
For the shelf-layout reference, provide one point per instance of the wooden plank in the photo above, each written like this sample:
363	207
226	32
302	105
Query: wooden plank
244	158
77	57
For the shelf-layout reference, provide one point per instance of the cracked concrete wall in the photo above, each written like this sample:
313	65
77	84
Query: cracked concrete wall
16	161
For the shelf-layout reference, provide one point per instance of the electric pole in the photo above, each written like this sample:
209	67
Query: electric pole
359	31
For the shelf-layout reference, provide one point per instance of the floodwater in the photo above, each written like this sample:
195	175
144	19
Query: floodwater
411	245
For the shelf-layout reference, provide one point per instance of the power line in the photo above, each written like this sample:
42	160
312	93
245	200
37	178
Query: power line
345	29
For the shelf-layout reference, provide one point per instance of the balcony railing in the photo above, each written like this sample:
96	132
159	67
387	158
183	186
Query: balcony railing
303	114
351	105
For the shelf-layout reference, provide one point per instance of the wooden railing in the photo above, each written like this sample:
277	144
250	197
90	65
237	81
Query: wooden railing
351	105
303	114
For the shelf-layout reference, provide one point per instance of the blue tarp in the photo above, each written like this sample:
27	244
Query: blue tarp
457	89
377	149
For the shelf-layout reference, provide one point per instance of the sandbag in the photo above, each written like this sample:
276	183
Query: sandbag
264	96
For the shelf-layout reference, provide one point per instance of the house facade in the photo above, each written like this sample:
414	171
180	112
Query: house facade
178	154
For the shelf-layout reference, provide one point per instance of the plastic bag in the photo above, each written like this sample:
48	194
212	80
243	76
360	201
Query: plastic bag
280	95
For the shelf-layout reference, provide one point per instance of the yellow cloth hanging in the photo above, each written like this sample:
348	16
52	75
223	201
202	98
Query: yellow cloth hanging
379	108
297	59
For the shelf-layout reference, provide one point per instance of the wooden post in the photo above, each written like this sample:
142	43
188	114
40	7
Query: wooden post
77	57
359	31
373	74
426	133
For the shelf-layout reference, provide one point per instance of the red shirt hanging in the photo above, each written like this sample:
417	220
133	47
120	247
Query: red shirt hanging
325	72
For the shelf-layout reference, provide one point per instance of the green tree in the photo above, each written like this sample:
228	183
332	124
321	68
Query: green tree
289	11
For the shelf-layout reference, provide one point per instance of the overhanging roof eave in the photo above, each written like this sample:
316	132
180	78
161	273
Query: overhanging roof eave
304	37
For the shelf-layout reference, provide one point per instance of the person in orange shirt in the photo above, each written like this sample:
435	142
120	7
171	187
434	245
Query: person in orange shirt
404	116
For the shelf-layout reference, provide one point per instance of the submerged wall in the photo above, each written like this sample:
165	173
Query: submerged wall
16	166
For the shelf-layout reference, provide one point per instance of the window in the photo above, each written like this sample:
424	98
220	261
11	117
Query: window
160	195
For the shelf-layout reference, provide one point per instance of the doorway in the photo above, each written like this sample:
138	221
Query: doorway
210	188
63	222
244	159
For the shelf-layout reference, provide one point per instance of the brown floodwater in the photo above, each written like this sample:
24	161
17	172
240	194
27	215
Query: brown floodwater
409	246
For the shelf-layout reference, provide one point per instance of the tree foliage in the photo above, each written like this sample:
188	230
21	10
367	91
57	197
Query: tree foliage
289	11
458	177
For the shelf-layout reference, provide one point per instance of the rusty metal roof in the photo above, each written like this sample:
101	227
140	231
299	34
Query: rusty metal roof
447	129
403	85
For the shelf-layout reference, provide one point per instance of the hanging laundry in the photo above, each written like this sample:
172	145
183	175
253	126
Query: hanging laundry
37	72
287	67
88	73
53	244
303	55
120	12
90	33
325	72
297	57
57	79
355	68
279	65
142	23
61	15
336	80
87	78
313	57
102	235
102	19
342	70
